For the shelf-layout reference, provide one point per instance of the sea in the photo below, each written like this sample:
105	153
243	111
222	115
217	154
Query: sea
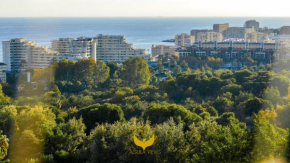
142	32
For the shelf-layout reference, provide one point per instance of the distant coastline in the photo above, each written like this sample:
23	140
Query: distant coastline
142	32
168	40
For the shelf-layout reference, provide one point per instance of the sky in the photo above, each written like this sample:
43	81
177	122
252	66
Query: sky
144	8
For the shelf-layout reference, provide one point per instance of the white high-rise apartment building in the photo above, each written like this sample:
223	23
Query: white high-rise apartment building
20	54
81	48
116	48
184	39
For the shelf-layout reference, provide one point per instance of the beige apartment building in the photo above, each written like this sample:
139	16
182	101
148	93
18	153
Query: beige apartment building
256	37
184	39
209	36
234	32
219	28
116	48
195	32
246	34
20	54
157	50
285	30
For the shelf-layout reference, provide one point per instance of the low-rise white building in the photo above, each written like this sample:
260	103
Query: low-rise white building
157	50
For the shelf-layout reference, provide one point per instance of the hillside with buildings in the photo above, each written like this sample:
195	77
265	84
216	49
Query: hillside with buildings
214	95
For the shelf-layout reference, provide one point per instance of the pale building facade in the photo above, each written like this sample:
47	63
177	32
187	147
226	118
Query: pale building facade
116	48
252	23
219	28
234	32
20	54
262	37
285	30
251	37
194	33
184	39
157	50
72	49
256	37
209	36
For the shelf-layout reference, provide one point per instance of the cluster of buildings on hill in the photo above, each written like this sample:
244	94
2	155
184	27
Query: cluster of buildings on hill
20	54
228	41
223	32
231	50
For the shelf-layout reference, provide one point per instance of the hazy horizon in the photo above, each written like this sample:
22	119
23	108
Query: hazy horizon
145	17
149	8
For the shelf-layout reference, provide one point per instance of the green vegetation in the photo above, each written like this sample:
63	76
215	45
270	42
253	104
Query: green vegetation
88	111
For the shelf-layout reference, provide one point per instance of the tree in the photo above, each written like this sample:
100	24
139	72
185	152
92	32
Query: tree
177	69
242	97
159	113
136	72
255	104
83	71
63	70
7	119
169	143
113	142
281	82
257	84
4	100
121	93
232	88
170	139
3	148
184	64
101	73
215	143
272	94
242	75
29	134
77	76
106	113
133	107
66	140
270	141
223	104
113	68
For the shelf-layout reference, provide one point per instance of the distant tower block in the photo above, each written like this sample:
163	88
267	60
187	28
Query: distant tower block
94	50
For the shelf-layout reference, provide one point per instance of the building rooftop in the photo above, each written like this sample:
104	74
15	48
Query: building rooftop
257	43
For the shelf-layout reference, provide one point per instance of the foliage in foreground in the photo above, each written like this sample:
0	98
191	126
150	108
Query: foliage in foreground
88	112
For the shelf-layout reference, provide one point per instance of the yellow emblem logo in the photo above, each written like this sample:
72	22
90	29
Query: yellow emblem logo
144	144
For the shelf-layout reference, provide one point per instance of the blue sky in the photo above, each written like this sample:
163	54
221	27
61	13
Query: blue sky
146	8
